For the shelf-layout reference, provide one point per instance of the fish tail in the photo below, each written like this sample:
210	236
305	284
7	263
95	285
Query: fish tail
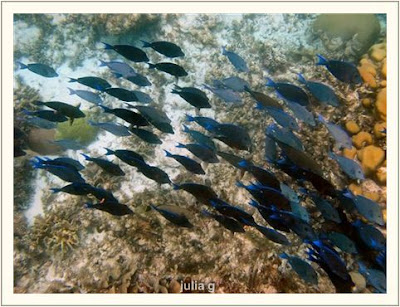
301	78
247	89
331	155
39	103
117	75
321	60
102	63
321	118
55	190
189	118
167	153
109	151
152	66
284	256
206	213
153	207
244	163
104	108
253	203
175	186
185	129
40	160
223	49
71	91
362	268
180	145
145	44
86	157
22	65
26	112
240	184
37	164
107	46
270	82
72	80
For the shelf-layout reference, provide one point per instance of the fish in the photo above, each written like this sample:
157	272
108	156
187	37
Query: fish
75	188
19	139
66	161
266	213
342	241
86	95
93	82
236	84
128	156
289	92
327	210
273	235
343	140
232	159
66	109
302	268
169	68
322	92
139	80
131	53
113	128
39	69
225	94
263	176
168	49
200	137
375	278
103	195
131	117
173	214
156	117
381	259
193	96
234	136
288	192
237	61
106	165
40	123
203	152
142	97
231	211
343	71
68	144
299	211
201	192
120	68
284	135
111	207
205	122
145	135
301	113
270	153
367	208
189	164
47	115
349	166
227	222
283	118
263	100
346	200
65	173
370	236
121	94
152	172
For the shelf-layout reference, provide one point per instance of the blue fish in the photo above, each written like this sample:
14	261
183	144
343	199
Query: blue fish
299	211
106	165
234	212
75	188
190	164
111	207
289	192
341	137
227	222
301	113
168	49
132	53
342	241
285	136
173	214
93	82
236	84
193	96
225	94
322	92
63	161
346	200
152	172
270	154
138	79
367	208
68	144
370	236
283	118
343	71
289	92
120	68
236	60
232	135
145	135
263	100
202	192
375	278
202	152
142	96
86	95
113	128
266	213
65	173
273	235
202	121
103	195
122	94
200	137
263	176
40	69
302	268
231	159
52	116
349	166
128	156
40	123
325	207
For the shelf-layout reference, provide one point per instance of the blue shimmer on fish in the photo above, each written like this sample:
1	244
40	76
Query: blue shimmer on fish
225	94
302	268
131	53
203	152
343	71
263	176
169	68
168	49
227	222
205	122
47	115
342	241
237	61
368	208
111	207
282	118
266	213
113	128
232	159
322	92
375	278
145	135
263	100
190	164
40	123
289	92
273	235
68	144
121	94
343	140
301	113
285	136
142	97
234	136
106	165
193	96
234	83
381	259
349	166
232	211
63	161
327	210
87	95
120	68
65	173
270	154
201	192
40	69
93	82
138	79
200	138
299	211
131	117
156	117
370	236
75	188
173	214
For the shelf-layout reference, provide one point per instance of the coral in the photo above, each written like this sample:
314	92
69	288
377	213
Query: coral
381	175
362	139
355	189
352	127
378	52
371	158
378	130
350	153
366	102
79	131
380	104
368	72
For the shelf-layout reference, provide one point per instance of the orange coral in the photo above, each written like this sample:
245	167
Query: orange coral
380	104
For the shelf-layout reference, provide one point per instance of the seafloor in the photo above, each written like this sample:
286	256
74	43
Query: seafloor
59	246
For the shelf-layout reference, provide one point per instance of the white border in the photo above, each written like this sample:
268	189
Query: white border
9	298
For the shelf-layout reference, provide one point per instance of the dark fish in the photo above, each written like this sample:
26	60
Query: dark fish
132	53
202	121
152	172
342	241
202	152
200	137
139	80
346	200
47	115
322	92
263	176
93	82
349	166
302	268
40	69
41	123
131	117
113	128
271	154
128	156
86	95
142	97
121	94
193	96
190	164
375	278
381	259
273	235
367	208
231	211
343	71
173	214
114	208
201	192
120	68
225	94
103	195
64	173
19	138
263	100
341	137
106	165
170	68
68	144
156	117
66	109
289	92
227	222
145	135
301	113
326	208
166	48
76	188
232	159
235	83
236	60
283	118
69	162
266	213
232	135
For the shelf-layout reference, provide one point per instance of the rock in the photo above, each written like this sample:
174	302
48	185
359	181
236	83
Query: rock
371	158
359	281
174	287
362	139
162	289
352	127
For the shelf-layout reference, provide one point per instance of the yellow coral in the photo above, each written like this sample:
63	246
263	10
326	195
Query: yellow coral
350	153
378	52
371	195
378	128
381	175
383	71
355	189
368	72
371	157
352	127
366	102
380	104
362	139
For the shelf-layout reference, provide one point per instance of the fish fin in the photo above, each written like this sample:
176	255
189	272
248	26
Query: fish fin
22	65
223	50
107	46
71	121
117	75
167	153
253	203
86	157
180	145
152	66
55	190
109	152
321	118
37	164
240	184
270	82
104	108
189	118
71	91
284	256
321	60
175	186
102	63
73	80
301	78
259	106
185	129
145	44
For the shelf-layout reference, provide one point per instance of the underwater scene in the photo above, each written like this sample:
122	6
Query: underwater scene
199	153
